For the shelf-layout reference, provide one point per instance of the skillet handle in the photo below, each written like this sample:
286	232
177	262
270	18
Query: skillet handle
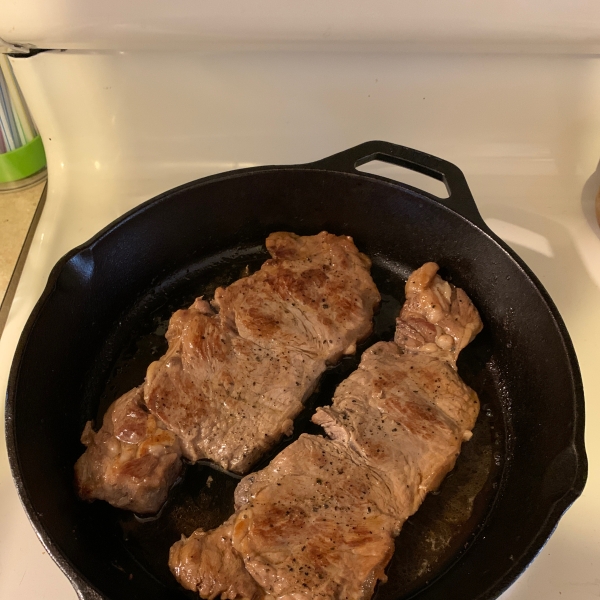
460	199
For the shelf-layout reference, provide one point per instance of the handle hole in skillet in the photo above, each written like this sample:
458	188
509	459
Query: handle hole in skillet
404	175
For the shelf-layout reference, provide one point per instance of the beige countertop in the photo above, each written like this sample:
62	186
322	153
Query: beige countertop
17	210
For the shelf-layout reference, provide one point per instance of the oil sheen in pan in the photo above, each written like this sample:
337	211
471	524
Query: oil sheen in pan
430	541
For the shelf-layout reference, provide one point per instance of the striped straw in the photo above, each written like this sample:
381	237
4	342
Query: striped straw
16	127
20	110
7	124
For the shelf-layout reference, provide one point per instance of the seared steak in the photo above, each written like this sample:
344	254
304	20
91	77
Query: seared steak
315	296
314	524
132	461
232	381
227	398
405	416
320	520
208	564
437	318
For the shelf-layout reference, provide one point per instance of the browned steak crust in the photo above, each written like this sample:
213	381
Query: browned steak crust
132	461
231	383
207	563
235	376
320	520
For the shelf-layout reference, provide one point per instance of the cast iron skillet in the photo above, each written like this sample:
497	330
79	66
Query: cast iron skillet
101	320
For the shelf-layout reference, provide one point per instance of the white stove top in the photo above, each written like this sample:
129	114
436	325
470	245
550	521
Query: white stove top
523	128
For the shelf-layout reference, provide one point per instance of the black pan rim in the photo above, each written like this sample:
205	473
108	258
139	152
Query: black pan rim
559	506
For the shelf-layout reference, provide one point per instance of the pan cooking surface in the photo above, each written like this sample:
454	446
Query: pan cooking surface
430	540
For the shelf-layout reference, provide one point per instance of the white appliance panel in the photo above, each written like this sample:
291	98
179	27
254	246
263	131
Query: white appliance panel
572	25
120	127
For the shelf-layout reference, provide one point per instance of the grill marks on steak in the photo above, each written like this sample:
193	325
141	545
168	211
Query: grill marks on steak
320	520
232	381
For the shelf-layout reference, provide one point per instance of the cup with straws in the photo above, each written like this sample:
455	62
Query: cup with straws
22	157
